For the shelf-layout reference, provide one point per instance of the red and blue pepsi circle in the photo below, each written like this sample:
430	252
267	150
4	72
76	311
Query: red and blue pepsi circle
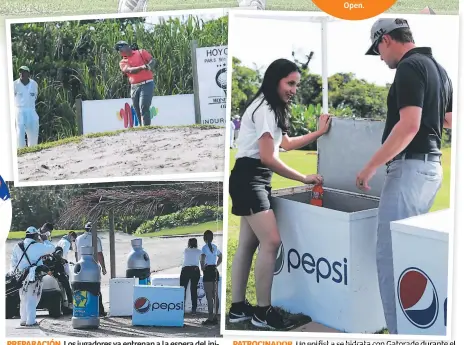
142	305
418	297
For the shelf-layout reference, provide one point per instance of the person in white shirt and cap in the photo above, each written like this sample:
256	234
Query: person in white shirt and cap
26	91
85	240
27	257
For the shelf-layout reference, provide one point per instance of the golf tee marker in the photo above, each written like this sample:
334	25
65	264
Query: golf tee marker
354	10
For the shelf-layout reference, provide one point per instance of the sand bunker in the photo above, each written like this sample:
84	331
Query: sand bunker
136	153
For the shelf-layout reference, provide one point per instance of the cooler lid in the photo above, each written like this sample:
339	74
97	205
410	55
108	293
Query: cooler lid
346	149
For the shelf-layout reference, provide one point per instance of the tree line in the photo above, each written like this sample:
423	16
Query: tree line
33	206
348	97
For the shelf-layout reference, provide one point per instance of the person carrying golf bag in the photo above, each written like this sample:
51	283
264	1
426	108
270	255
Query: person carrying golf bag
27	258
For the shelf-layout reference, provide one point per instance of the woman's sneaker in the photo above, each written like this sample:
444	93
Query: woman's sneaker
271	320
241	312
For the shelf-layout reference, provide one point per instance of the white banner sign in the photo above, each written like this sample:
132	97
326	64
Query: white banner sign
115	114
212	84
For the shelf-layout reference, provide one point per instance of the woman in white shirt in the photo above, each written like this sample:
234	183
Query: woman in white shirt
263	131
211	257
191	271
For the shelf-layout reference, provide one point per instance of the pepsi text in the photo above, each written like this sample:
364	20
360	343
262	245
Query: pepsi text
322	267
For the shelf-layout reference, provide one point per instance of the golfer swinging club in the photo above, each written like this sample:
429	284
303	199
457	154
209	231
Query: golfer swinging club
420	105
137	64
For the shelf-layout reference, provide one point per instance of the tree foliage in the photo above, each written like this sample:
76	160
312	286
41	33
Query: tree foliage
348	97
37	205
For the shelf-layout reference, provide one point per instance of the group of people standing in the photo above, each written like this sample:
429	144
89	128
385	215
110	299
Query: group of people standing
27	256
207	259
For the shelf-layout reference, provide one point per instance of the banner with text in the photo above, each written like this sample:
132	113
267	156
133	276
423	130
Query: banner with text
212	84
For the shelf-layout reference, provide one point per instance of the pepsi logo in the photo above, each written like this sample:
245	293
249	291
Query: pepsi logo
141	305
418	297
280	259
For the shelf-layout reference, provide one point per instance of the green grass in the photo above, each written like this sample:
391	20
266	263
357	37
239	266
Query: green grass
70	7
305	162
187	230
78	139
183	230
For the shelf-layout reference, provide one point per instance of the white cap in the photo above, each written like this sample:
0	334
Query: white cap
31	230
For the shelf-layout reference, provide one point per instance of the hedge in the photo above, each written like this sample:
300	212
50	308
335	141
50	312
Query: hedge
190	216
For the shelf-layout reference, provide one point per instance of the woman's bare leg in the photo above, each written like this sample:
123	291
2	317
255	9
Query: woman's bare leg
247	244
264	226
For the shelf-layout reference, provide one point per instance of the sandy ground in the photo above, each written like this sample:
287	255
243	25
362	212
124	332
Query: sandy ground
135	153
165	257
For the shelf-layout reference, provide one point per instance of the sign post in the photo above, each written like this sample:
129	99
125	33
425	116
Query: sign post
211	70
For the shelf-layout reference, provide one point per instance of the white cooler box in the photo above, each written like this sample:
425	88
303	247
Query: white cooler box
174	280
326	267
122	296
420	257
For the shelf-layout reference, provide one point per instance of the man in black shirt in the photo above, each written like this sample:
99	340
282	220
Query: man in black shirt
419	107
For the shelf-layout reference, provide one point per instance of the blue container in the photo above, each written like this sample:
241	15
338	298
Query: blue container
86	288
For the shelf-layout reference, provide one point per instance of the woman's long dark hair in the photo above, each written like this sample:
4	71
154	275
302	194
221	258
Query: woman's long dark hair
192	243
276	71
208	237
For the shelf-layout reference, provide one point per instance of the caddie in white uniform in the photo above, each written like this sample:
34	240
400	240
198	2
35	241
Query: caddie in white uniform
27	120
35	246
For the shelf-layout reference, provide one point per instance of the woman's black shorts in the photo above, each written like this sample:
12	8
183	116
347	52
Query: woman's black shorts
250	187
211	274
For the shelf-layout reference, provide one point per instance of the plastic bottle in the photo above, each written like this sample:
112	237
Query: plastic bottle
317	195
138	263
86	286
